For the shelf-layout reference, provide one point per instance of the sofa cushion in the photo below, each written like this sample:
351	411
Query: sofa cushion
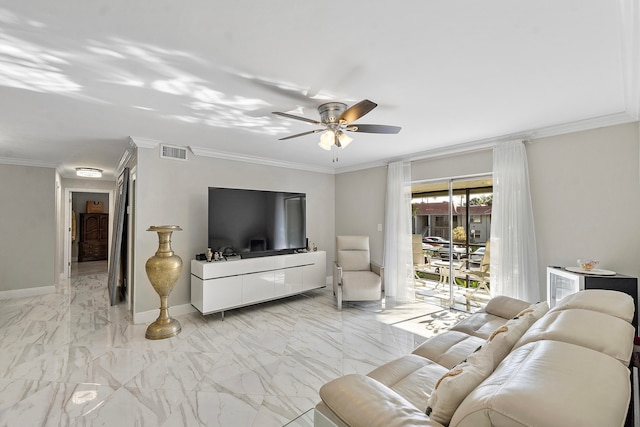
361	285
411	376
505	307
452	347
591	329
455	385
449	348
549	383
480	324
613	303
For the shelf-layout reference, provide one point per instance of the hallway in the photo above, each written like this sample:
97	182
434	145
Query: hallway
88	267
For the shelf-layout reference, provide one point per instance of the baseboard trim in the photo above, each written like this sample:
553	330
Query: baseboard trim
28	292
152	315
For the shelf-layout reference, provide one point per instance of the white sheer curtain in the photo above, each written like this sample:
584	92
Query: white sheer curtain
514	260
398	259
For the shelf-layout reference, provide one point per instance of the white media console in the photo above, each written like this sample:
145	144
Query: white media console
222	285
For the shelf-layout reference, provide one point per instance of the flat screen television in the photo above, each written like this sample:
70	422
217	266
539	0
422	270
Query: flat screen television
253	223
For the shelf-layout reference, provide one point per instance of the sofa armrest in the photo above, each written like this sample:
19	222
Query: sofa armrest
337	277
359	400
379	270
337	272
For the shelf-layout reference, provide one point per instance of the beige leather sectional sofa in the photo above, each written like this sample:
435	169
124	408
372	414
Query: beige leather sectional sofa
511	364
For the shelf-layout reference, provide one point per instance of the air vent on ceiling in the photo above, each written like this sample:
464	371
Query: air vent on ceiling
173	152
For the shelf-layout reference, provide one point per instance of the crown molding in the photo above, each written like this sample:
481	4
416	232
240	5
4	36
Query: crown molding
28	162
484	144
206	152
122	163
580	126
139	142
441	151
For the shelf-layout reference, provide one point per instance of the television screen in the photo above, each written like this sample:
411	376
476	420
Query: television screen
256	222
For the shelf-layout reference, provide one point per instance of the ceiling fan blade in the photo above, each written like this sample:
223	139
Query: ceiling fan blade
304	119
374	128
356	111
301	134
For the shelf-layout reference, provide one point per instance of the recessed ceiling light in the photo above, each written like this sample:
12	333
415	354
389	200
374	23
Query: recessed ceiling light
89	172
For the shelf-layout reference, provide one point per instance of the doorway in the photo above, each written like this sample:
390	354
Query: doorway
88	229
70	222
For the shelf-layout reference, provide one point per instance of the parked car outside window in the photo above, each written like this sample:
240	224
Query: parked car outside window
459	252
477	255
435	240
430	248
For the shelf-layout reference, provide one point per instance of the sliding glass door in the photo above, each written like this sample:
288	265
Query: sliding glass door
453	220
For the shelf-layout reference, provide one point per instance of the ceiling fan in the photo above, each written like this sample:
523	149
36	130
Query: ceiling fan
335	119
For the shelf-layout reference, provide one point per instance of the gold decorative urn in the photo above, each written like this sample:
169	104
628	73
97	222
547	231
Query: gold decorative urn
163	270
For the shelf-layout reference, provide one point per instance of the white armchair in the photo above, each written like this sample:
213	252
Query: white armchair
355	277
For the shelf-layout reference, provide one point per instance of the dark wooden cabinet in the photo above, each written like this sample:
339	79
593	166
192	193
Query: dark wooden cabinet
94	236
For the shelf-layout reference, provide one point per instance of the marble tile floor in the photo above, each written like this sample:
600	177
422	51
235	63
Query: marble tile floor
69	359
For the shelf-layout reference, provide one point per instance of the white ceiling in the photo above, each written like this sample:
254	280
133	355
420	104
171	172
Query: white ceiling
78	78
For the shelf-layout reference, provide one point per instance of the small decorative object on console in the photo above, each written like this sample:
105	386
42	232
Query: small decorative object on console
209	254
587	263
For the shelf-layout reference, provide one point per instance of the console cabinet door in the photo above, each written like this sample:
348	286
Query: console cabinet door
313	276
288	281
221	294
258	287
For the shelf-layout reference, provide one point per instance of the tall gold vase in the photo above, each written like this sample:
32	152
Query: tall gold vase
163	270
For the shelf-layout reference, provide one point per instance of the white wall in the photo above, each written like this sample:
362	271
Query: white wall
585	189
360	200
28	227
170	192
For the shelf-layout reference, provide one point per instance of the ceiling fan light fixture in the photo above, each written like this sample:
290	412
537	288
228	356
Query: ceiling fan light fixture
344	139
327	140
335	118
89	172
